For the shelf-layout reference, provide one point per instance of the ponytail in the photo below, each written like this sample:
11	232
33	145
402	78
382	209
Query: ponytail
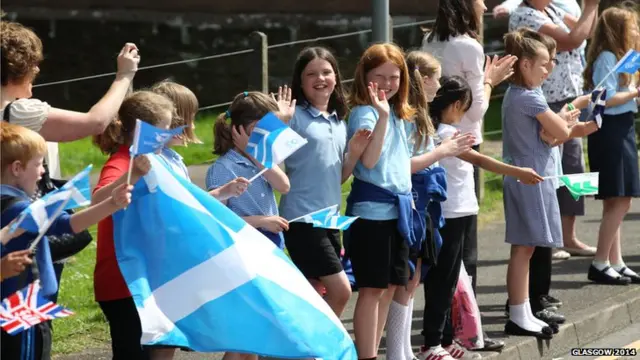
222	138
111	138
418	100
245	109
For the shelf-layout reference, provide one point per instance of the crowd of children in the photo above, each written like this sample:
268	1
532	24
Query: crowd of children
396	132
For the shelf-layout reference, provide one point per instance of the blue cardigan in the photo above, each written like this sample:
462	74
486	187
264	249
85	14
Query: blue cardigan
430	190
411	224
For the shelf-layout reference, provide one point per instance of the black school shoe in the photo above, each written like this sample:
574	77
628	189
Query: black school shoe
491	344
635	279
548	301
601	277
512	328
550	317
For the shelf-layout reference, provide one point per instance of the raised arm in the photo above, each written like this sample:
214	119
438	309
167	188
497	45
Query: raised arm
372	152
579	33
65	125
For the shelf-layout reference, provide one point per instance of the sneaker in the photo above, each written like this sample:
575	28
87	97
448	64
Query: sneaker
459	352
435	353
548	301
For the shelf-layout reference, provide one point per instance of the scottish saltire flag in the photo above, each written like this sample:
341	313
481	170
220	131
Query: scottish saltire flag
598	104
272	141
41	213
149	139
318	216
27	308
204	279
336	222
581	184
629	63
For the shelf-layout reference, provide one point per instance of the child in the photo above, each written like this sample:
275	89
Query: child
257	206
186	105
111	291
382	185
23	151
525	112
424	75
612	150
450	104
317	88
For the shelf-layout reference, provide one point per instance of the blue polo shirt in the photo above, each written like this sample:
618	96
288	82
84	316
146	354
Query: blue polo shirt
315	170
392	171
601	67
257	200
175	162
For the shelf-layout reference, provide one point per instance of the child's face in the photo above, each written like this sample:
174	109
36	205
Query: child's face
534	71
432	84
551	64
456	111
318	82
27	175
387	76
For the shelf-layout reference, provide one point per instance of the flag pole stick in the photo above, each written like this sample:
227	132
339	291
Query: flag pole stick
129	173
51	220
258	174
605	78
311	213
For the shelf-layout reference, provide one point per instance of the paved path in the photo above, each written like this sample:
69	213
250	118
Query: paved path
593	311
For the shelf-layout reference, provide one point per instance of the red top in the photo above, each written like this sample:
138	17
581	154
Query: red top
108	282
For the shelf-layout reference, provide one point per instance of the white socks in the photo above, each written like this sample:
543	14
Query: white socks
533	317
627	271
399	331
600	265
520	316
408	351
396	331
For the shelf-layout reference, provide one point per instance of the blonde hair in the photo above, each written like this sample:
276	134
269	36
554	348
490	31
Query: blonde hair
246	108
144	105
186	104
18	143
421	64
375	56
612	33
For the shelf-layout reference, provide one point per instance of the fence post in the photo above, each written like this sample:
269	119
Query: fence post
258	67
480	170
380	21
390	28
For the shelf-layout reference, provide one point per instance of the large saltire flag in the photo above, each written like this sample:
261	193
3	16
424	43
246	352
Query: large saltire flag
204	279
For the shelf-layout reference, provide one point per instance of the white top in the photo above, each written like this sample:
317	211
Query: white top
565	81
461	194
32	113
569	6
464	56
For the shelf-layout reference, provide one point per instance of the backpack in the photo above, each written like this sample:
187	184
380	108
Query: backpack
63	246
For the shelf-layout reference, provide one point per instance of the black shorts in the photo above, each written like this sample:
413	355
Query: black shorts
379	255
126	331
315	251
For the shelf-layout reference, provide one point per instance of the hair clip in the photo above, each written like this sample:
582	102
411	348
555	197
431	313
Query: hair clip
246	93
227	114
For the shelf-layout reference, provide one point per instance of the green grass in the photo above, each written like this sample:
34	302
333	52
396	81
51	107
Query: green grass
87	328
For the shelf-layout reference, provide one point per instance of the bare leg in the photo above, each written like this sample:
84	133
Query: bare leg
338	291
365	321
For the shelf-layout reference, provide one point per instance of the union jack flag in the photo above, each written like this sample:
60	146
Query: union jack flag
27	308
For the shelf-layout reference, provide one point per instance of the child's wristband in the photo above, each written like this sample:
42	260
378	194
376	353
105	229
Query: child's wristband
570	107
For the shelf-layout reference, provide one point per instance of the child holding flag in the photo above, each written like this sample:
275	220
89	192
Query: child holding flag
23	151
525	113
318	169
612	150
111	291
186	105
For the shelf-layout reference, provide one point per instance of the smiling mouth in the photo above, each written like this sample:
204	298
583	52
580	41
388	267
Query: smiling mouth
320	87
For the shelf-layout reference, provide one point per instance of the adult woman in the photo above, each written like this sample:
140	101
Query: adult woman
454	42
21	52
562	86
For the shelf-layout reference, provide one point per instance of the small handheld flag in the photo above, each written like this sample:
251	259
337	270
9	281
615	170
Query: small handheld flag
149	139
336	222
319	216
598	104
39	215
26	308
581	184
629	63
271	141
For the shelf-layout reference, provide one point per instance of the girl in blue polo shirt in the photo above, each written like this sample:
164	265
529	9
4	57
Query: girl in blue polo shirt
318	169
377	242
257	205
